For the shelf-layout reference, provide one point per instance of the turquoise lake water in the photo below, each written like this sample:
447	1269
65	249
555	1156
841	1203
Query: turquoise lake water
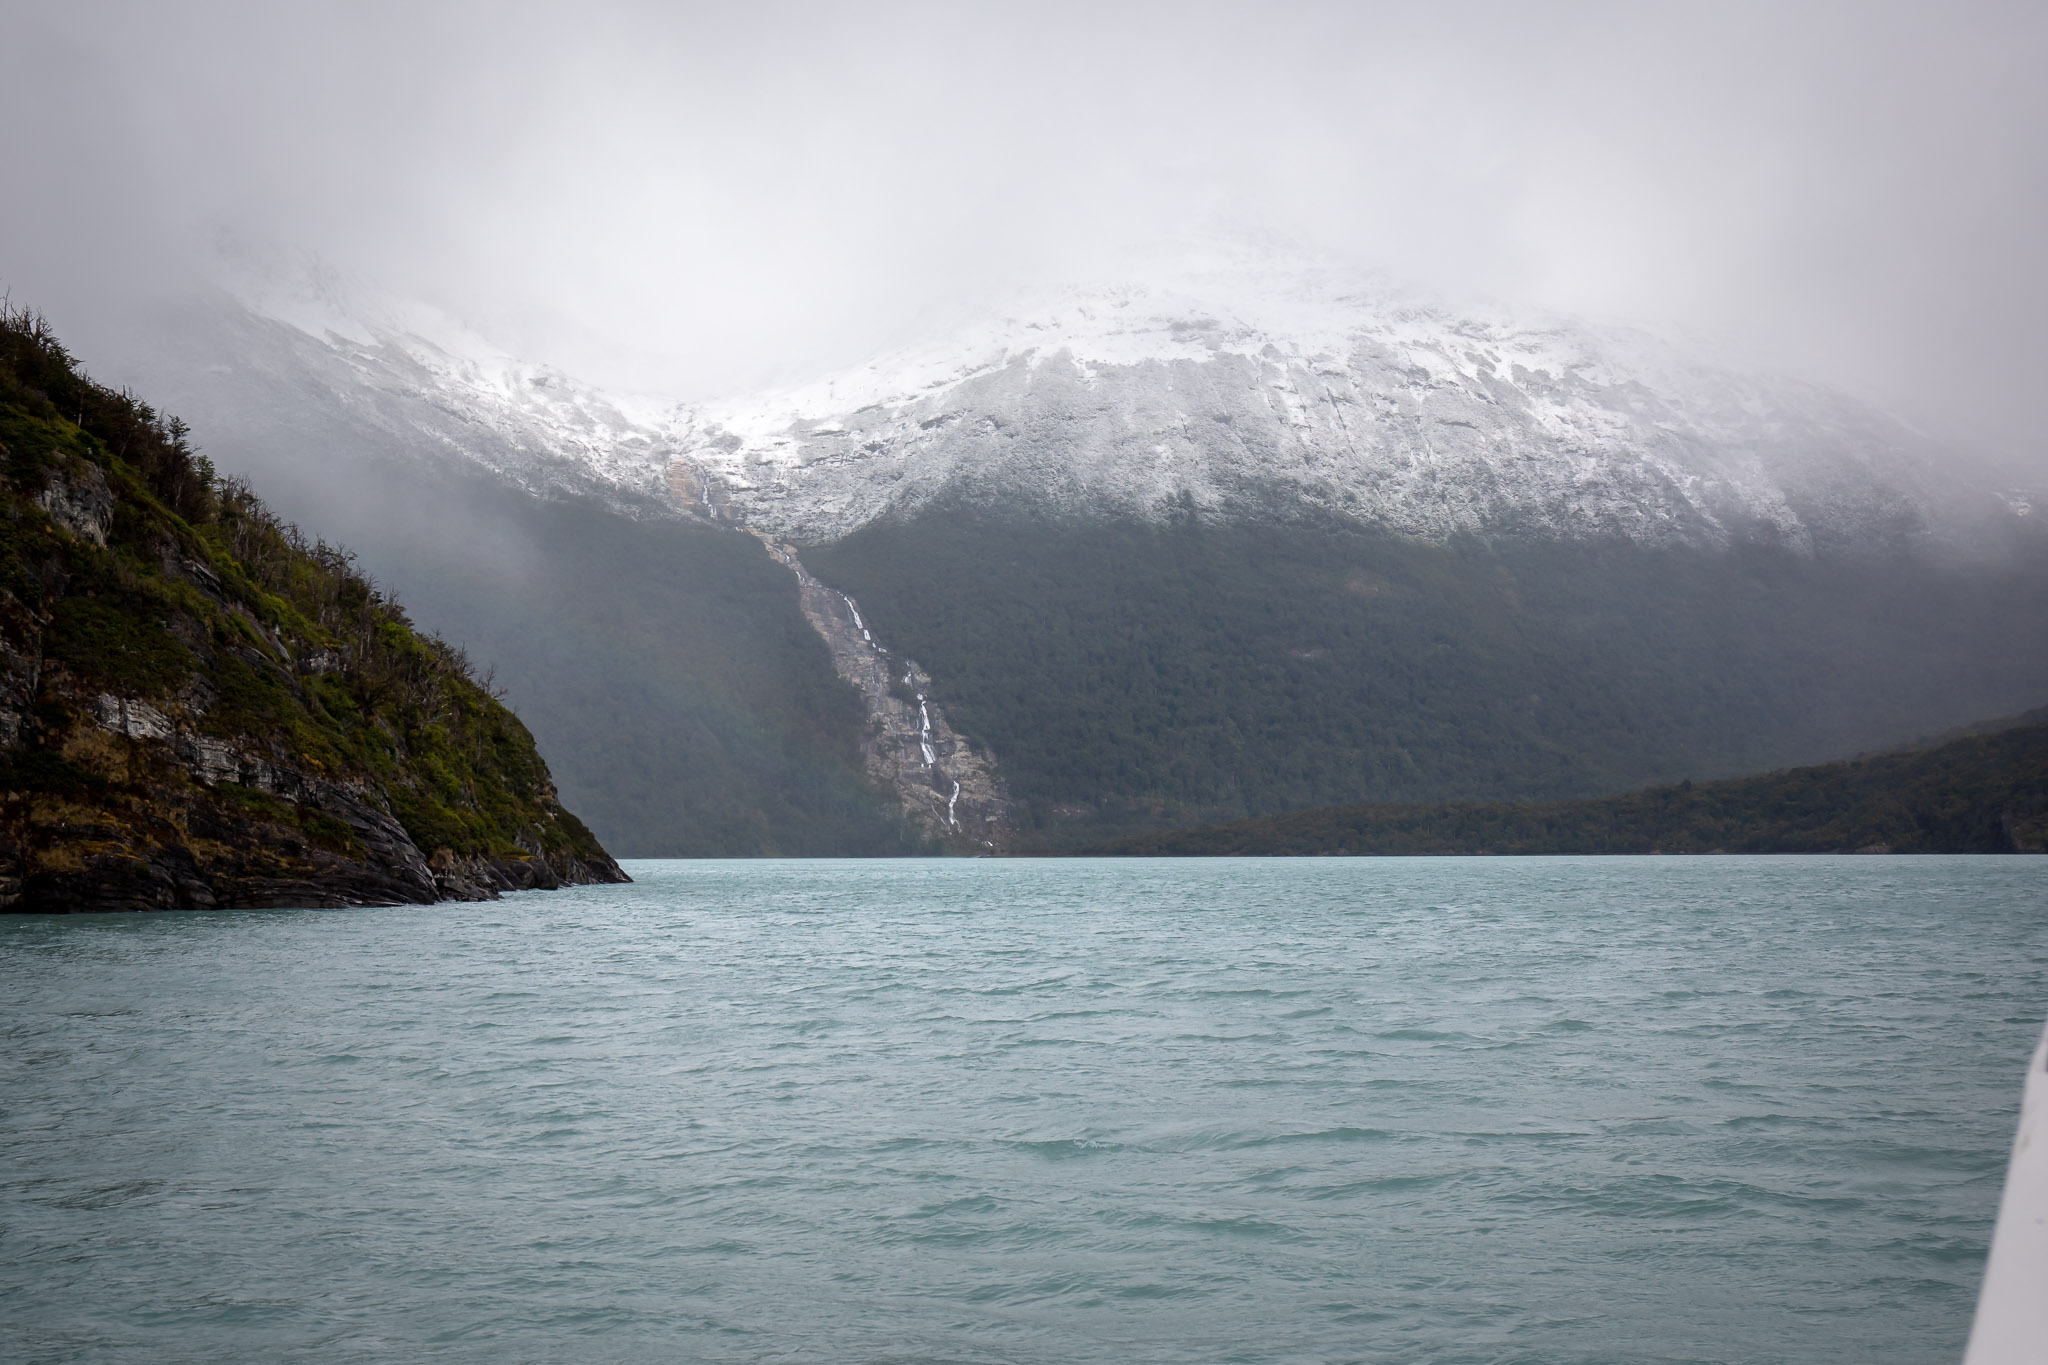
1501	1110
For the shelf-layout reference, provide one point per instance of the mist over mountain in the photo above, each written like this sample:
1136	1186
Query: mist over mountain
693	200
1242	380
1237	378
668	654
1241	532
202	708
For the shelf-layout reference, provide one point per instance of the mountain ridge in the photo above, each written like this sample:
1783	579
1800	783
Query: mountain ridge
1234	379
1528	614
1247	384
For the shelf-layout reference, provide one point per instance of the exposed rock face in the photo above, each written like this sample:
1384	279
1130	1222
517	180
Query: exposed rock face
176	845
950	789
80	501
19	671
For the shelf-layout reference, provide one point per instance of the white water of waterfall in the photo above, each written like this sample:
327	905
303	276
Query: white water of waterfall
873	676
859	624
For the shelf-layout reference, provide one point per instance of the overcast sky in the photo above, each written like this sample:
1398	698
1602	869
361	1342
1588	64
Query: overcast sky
691	198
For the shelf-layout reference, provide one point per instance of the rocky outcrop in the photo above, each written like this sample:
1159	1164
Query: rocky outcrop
80	501
946	786
199	822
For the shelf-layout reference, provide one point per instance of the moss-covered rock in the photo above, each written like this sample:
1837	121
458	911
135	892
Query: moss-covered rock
200	708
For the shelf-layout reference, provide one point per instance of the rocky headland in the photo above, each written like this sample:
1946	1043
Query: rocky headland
200	708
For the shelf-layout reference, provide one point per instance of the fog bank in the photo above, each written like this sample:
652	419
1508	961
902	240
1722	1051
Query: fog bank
699	198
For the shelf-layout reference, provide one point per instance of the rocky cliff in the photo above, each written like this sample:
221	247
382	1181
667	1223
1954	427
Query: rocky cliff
199	708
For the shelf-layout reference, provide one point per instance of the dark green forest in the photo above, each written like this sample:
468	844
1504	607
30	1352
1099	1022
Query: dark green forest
1133	677
1979	793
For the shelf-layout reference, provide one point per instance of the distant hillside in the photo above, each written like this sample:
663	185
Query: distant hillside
198	708
1132	678
1983	793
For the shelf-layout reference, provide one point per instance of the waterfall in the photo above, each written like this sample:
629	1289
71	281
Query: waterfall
859	624
874	674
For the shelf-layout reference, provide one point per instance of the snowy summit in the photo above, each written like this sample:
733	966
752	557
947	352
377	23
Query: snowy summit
1227	380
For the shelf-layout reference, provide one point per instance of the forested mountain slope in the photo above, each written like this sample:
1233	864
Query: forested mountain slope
1981	793
198	708
1131	676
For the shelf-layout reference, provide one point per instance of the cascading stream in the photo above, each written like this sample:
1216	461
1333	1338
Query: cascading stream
921	782
859	624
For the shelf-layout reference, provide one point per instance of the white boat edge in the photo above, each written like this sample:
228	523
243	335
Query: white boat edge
2012	1309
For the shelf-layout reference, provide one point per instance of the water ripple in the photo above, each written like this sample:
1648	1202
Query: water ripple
1541	1110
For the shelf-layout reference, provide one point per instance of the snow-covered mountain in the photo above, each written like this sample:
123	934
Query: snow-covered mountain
1230	379
1442	553
431	384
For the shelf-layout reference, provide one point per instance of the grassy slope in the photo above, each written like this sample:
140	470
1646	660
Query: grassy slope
205	608
1983	793
1133	677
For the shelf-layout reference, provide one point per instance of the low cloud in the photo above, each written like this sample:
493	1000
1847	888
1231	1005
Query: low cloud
698	198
